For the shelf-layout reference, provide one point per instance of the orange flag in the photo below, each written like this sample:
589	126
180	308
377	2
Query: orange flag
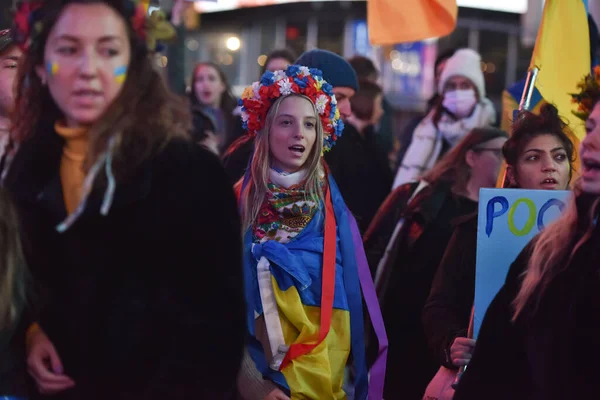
400	21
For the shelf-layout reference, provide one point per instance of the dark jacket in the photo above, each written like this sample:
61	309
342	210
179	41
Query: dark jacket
548	353
12	359
237	156
408	275
362	173
447	312
204	122
146	302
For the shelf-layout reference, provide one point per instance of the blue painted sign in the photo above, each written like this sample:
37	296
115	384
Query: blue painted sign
508	220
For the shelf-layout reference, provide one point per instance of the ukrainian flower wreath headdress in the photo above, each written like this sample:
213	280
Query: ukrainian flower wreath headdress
589	93
258	98
149	29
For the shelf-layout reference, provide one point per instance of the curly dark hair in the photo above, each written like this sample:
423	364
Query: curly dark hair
529	125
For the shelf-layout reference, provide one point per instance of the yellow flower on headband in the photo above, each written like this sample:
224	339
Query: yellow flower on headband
158	28
248	93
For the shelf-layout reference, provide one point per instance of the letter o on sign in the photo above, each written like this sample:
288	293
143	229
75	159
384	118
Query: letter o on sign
530	219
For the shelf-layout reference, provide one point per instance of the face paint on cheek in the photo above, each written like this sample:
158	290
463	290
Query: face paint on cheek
120	74
51	68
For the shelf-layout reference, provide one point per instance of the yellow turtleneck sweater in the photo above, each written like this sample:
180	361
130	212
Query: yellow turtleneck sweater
72	174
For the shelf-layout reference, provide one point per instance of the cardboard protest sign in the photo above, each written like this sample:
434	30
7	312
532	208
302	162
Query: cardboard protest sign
508	219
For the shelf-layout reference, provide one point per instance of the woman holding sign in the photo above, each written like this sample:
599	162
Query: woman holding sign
538	338
539	155
406	241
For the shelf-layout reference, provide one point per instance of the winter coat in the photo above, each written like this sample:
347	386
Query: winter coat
547	353
408	275
148	301
447	312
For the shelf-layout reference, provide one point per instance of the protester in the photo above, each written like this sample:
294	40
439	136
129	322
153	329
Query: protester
336	71
131	229
13	300
357	163
9	60
462	108
216	123
277	60
304	300
538	334
406	242
407	133
386	140
539	155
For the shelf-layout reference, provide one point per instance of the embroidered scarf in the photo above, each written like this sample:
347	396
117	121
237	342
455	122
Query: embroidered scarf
286	210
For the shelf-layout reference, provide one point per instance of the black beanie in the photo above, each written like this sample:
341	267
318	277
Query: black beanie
337	71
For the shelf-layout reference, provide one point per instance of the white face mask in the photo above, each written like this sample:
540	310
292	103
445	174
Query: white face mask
460	102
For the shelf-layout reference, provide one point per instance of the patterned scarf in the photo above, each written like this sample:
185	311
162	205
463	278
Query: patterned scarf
287	209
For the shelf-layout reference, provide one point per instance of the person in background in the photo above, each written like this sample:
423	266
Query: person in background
366	71
407	133
13	302
463	106
278	60
335	70
9	60
538	336
405	244
132	231
356	162
539	156
216	120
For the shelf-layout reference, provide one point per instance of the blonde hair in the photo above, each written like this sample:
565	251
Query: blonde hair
550	254
253	195
12	264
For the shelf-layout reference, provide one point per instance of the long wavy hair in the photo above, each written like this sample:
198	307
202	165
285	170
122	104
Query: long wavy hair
13	272
554	249
145	113
254	194
453	168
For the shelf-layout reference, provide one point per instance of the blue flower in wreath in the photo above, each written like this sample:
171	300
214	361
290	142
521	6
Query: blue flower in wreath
316	72
300	82
292	70
267	79
327	88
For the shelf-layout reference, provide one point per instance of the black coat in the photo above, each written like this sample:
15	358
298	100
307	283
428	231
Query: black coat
361	169
447	312
409	274
549	353
146	302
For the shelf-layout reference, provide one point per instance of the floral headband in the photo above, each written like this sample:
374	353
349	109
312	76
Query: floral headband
589	93
149	29
258	98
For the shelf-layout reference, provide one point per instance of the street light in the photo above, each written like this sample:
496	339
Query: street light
233	43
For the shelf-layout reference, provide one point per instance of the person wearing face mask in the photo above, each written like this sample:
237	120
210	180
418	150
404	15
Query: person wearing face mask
539	156
462	107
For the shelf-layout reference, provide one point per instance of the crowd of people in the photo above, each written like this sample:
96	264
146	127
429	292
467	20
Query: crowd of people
209	247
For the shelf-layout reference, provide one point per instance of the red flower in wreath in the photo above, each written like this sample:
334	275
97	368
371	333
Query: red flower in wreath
24	23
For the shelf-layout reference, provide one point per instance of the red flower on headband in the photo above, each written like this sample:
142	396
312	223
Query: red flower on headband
138	21
24	22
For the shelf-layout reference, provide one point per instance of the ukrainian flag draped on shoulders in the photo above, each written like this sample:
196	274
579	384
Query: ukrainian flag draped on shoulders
284	270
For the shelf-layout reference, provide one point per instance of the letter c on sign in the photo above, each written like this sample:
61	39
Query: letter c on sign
491	213
530	220
545	207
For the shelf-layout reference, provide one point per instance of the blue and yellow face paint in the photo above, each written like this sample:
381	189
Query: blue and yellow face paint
51	68
120	74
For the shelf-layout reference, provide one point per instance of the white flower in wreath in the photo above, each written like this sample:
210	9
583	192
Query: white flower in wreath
279	75
285	87
304	71
333	100
245	116
321	103
255	88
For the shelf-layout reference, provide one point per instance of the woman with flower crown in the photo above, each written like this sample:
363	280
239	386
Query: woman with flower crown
302	250
130	229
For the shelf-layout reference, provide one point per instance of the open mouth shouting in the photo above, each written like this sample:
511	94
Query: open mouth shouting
591	169
549	183
297	149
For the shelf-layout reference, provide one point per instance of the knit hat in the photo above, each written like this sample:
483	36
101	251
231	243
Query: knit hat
337	71
5	39
467	63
